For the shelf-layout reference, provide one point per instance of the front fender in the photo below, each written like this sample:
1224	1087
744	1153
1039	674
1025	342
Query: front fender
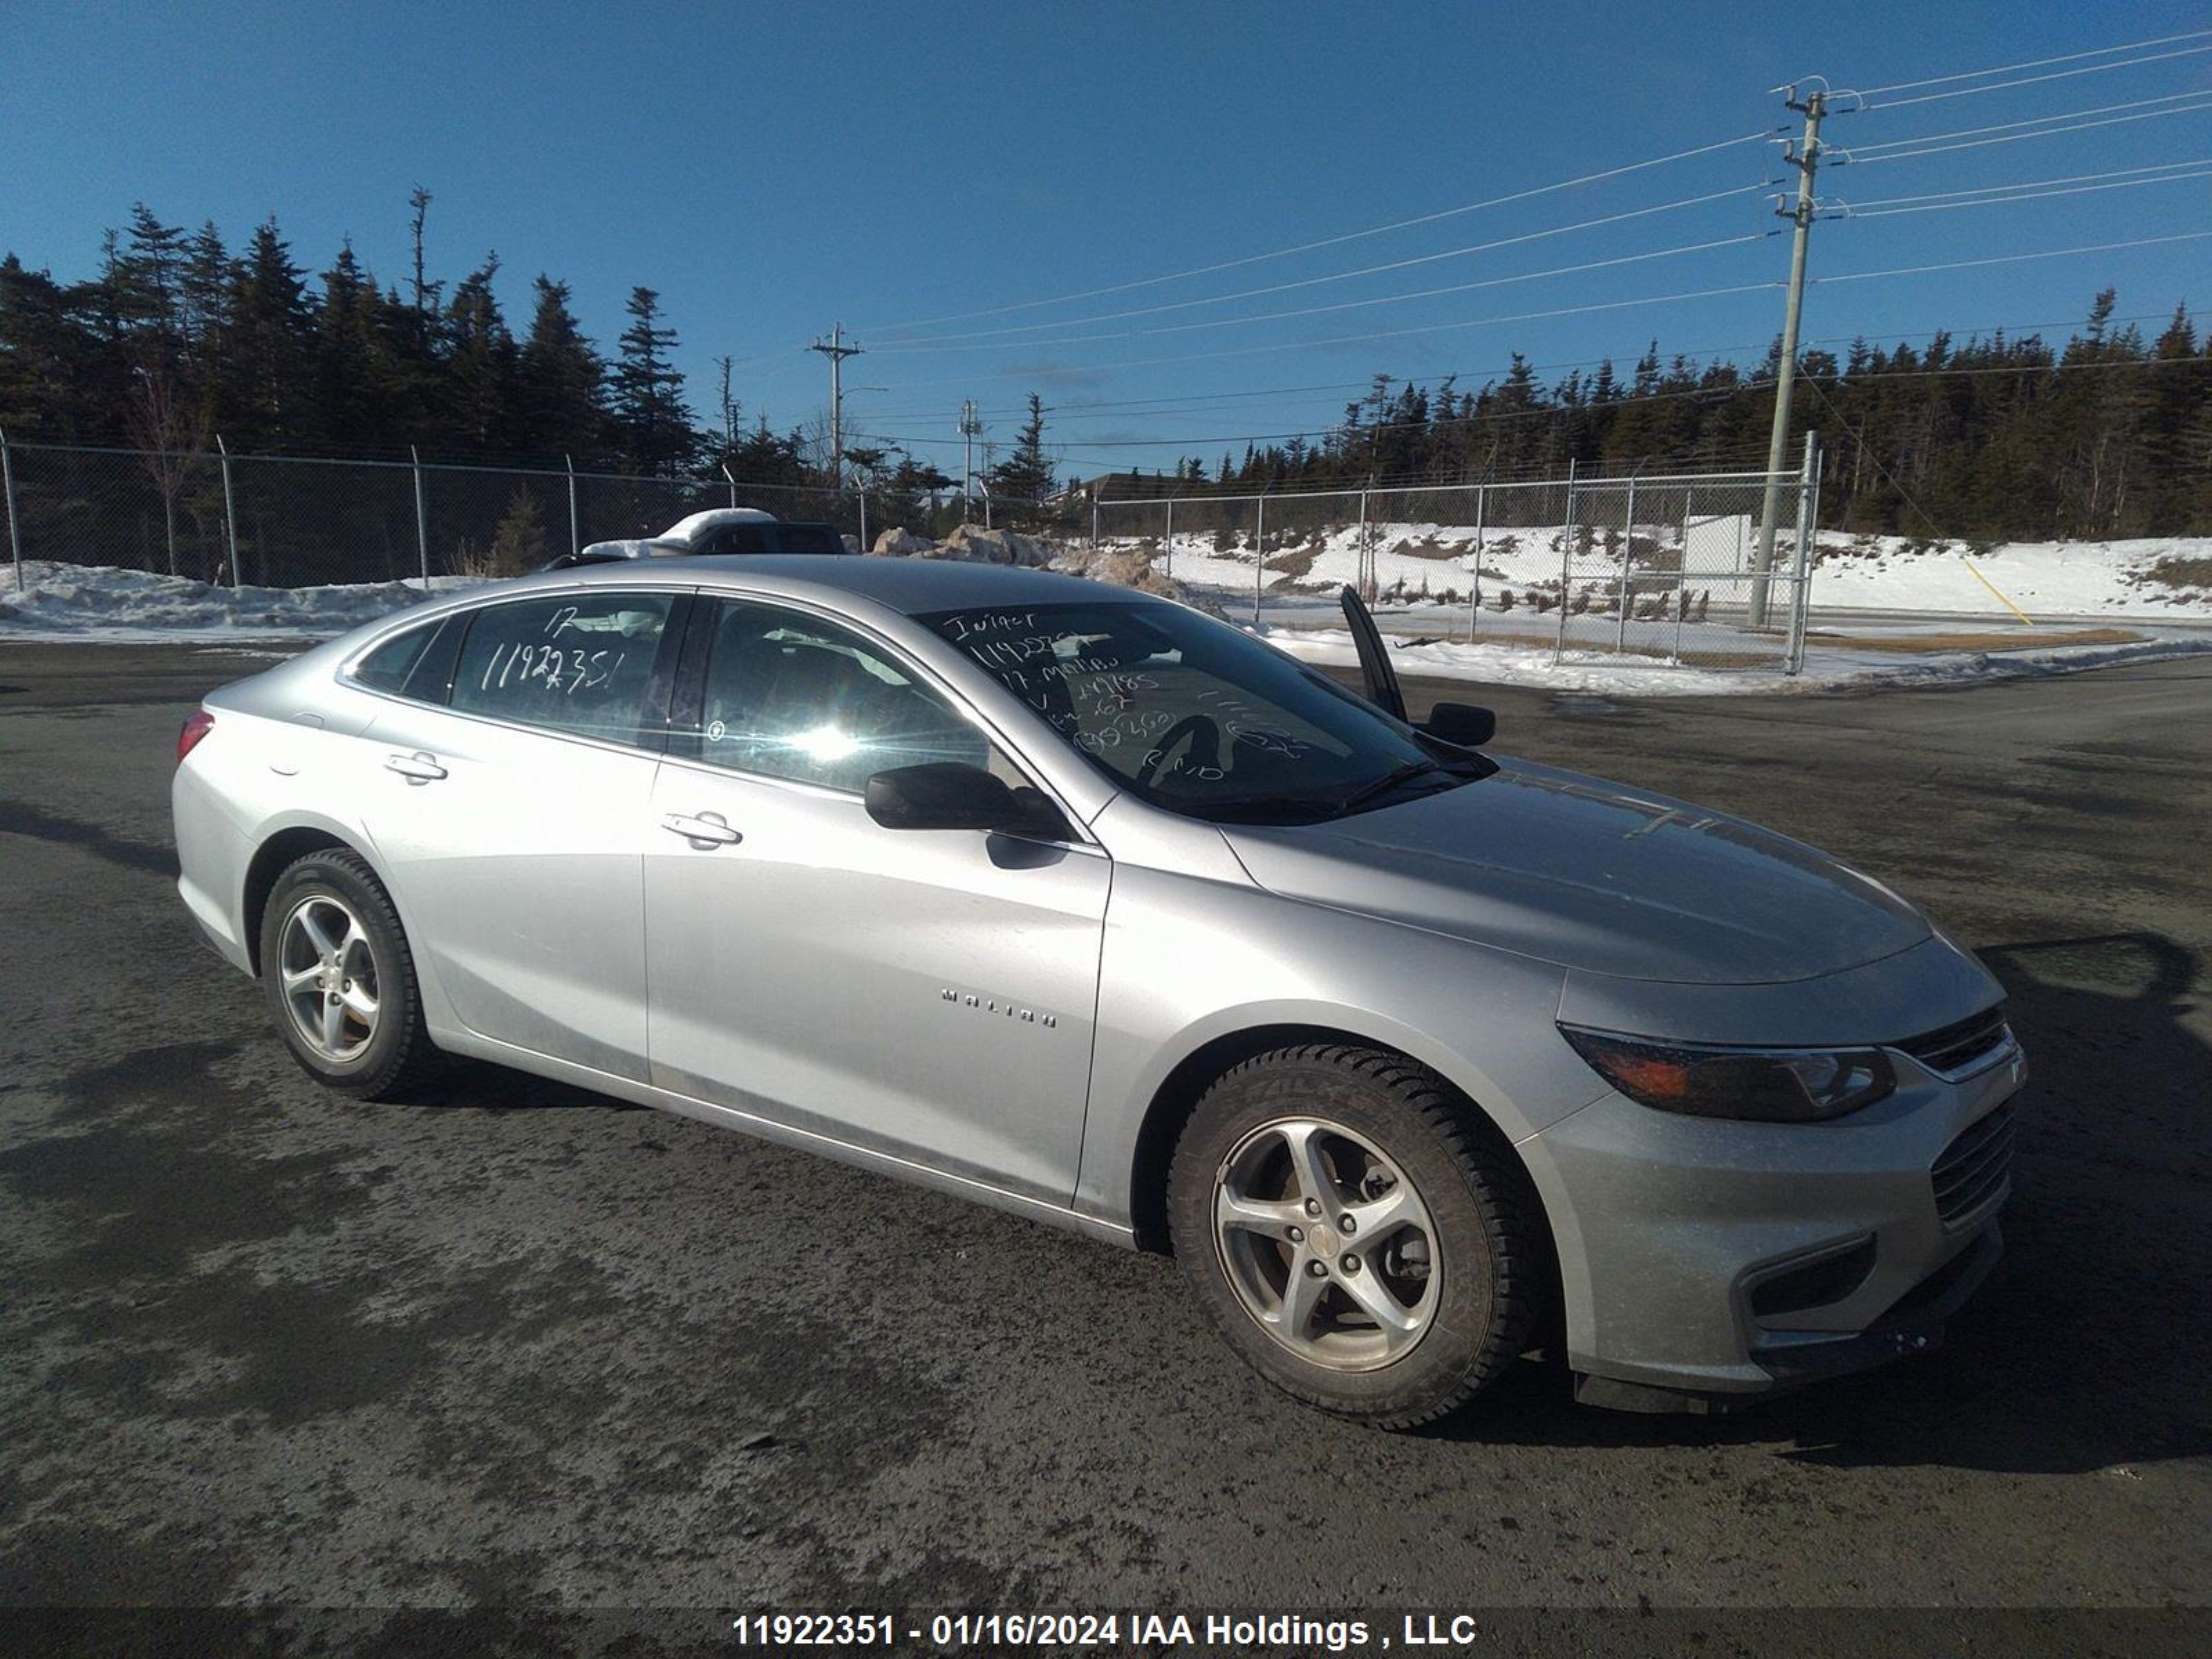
1188	962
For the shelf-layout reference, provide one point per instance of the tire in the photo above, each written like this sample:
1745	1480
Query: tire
1465	1267
379	1047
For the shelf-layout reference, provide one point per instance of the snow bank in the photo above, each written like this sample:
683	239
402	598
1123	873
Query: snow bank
2044	578
2129	577
92	602
1826	668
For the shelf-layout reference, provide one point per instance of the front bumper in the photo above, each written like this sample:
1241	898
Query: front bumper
1704	1260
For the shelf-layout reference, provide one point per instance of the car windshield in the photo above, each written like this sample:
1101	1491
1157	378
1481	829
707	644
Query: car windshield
1198	717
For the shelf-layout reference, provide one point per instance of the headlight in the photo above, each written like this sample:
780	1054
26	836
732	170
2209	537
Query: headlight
1767	1086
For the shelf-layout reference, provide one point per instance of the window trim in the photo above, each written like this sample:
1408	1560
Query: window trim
454	621
688	698
650	734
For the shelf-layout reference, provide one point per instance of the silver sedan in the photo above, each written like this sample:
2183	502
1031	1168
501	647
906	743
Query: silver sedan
1084	904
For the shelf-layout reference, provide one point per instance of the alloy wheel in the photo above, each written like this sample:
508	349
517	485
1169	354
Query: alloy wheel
1327	1244
329	977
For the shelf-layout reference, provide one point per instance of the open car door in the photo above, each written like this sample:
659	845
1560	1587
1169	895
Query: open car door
1375	669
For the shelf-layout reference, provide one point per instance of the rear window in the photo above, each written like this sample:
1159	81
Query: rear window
416	664
811	538
581	663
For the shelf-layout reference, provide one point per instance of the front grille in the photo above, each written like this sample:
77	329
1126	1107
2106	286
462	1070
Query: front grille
1955	1048
1974	1168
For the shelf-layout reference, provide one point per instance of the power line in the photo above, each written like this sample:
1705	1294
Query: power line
1760	136
1346	276
2036	185
2032	80
1756	384
2038	63
2014	258
1852	155
1856	151
2034	195
1874	455
1117	408
1345	305
1031	372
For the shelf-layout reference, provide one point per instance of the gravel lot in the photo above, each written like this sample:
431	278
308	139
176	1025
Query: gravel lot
528	1346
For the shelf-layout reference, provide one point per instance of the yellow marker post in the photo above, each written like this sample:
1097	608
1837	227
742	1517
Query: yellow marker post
1995	589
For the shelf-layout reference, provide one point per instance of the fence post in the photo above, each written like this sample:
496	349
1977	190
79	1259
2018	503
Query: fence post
1365	586
1566	564
862	492
1474	605
229	509
1808	523
575	528
8	486
1627	554
1259	557
1682	577
422	517
1170	542
1094	521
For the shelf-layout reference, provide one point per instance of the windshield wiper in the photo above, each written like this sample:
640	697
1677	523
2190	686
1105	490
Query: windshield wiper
1265	809
1390	779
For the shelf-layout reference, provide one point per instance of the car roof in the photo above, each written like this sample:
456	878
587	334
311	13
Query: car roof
908	585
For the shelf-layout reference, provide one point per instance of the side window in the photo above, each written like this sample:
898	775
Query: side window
581	663
418	663
789	696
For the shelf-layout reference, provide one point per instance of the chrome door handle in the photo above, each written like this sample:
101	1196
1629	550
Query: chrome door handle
707	830
417	768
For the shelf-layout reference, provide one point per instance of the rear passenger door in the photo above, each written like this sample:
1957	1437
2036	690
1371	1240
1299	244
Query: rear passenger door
509	801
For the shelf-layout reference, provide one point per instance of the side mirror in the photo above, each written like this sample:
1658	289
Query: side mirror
1462	723
948	795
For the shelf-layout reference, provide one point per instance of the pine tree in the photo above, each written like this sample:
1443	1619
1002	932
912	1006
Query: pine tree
518	543
269	344
480	367
652	423
1026	474
560	381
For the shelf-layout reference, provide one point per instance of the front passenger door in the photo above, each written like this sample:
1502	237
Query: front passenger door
926	993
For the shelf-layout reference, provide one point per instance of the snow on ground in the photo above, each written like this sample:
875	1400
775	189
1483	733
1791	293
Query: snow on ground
2152	577
98	602
1827	668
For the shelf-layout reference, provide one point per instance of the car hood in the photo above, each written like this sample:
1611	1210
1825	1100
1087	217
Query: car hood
1593	875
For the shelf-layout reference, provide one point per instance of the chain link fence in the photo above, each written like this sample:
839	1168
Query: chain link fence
287	521
1664	568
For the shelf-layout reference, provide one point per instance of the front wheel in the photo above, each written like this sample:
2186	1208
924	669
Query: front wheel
1359	1242
341	981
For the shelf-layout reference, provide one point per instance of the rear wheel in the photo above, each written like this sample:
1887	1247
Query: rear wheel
1360	1243
341	981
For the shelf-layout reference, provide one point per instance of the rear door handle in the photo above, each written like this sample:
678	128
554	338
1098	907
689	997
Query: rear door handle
417	768
707	830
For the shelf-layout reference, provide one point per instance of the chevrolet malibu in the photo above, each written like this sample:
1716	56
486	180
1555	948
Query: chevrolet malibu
1081	904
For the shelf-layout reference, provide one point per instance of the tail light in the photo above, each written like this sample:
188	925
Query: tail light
198	725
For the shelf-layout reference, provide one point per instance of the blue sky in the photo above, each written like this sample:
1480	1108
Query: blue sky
771	169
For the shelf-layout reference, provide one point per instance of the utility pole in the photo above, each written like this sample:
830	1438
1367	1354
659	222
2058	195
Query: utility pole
837	351
971	427
1806	160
